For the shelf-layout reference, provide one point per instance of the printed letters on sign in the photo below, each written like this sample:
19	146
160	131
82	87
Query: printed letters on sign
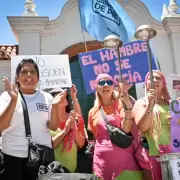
175	126
103	8
134	64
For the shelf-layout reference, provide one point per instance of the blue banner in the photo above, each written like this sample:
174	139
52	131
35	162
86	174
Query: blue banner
101	18
134	64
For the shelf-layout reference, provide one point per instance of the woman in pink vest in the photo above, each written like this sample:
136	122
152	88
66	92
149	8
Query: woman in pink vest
111	161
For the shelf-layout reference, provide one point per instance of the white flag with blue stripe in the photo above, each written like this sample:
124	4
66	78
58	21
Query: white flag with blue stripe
100	18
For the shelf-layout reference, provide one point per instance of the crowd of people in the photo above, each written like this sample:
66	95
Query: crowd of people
56	122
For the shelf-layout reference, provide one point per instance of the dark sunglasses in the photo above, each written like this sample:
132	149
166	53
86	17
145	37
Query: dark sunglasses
108	82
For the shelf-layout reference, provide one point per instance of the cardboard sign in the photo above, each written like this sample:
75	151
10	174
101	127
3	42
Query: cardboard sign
175	165
175	125
54	70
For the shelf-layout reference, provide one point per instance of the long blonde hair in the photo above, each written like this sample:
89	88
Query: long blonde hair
156	128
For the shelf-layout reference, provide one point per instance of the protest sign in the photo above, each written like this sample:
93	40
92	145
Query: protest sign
175	81
175	166
175	125
54	70
134	64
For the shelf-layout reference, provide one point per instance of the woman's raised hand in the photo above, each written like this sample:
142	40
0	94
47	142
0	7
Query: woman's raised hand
151	96
72	118
58	99
73	92
123	89
10	88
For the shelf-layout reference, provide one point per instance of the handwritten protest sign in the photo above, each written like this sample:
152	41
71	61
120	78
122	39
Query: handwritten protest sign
175	125
175	166
54	70
134	64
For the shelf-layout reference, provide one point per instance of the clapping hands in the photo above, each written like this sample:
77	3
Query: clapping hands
58	99
71	122
10	88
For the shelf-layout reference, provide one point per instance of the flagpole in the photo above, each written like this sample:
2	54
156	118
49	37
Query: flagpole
83	35
84	39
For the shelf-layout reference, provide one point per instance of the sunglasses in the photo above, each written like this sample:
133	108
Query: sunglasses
108	82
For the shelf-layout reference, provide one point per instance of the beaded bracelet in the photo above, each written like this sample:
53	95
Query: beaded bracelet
147	113
128	119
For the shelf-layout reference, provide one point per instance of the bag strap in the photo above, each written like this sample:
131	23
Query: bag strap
26	117
104	116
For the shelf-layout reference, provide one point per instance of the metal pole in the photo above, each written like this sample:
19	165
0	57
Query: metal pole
119	60
150	64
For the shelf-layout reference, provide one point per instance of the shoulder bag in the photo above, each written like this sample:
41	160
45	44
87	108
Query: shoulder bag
37	154
117	136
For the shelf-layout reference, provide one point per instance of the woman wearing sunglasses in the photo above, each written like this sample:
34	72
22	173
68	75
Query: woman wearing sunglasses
111	161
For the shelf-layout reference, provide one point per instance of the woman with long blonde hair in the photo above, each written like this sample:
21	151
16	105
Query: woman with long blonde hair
112	161
152	116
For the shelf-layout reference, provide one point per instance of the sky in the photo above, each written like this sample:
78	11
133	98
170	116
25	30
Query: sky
52	8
